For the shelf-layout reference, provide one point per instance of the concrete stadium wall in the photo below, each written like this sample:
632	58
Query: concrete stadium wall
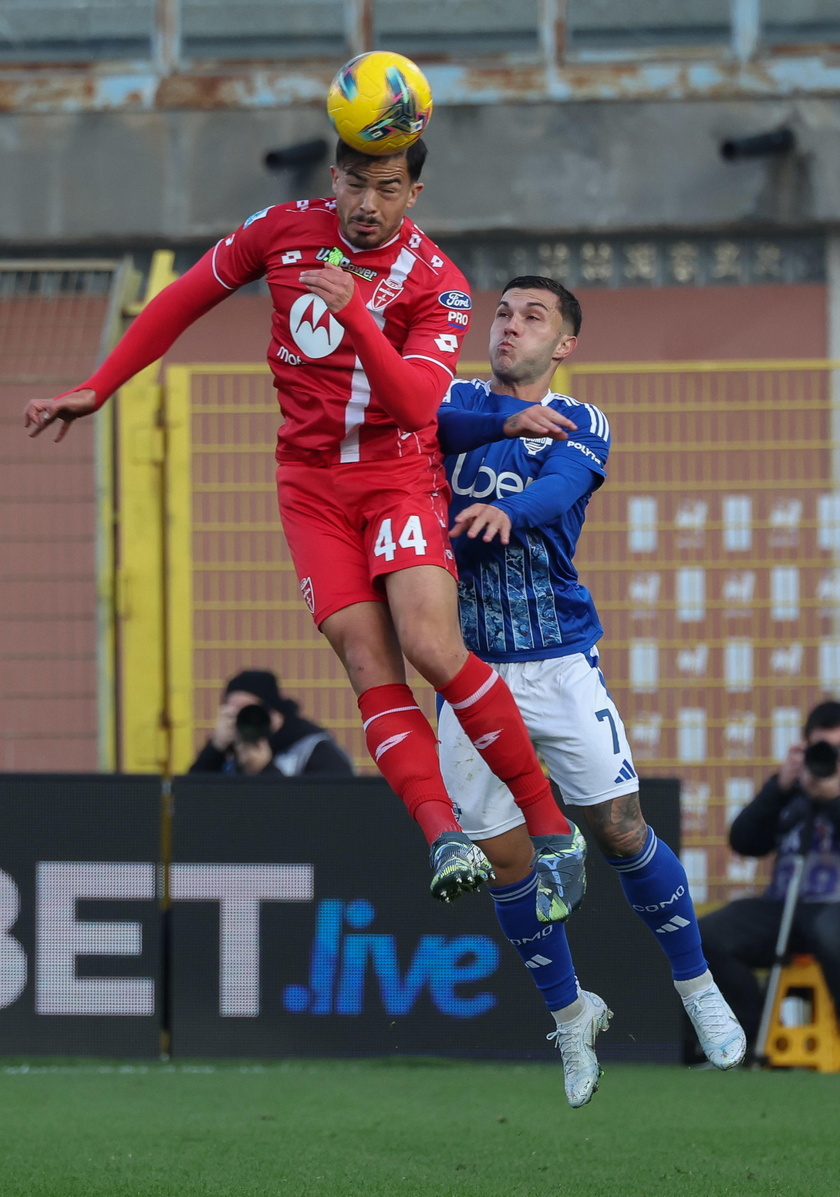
181	176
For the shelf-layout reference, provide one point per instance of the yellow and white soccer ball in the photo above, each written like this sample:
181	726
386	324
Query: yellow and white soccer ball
380	102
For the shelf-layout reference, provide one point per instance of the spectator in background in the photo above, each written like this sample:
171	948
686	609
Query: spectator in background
298	747
742	936
252	742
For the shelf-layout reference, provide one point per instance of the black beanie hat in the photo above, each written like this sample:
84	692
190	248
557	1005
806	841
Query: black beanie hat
262	683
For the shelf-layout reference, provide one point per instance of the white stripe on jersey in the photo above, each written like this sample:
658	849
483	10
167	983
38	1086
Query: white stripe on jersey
402	268
357	404
354	412
425	358
599	425
227	286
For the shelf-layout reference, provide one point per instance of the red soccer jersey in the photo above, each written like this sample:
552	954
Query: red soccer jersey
417	297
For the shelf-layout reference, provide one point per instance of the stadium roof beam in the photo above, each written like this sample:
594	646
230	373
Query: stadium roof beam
103	88
743	69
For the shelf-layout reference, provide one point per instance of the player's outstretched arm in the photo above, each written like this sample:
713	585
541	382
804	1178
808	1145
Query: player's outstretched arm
153	332
461	429
538	420
41	413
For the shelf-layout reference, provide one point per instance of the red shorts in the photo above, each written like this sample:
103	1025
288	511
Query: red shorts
348	525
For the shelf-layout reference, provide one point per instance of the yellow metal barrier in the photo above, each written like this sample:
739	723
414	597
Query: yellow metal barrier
126	285
179	569
141	583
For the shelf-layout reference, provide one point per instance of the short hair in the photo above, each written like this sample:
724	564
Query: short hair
414	156
566	302
824	717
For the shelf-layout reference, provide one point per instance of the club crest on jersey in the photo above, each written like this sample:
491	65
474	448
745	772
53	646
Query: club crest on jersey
386	291
337	257
457	300
533	445
308	594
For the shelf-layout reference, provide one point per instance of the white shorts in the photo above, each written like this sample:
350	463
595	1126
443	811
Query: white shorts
575	727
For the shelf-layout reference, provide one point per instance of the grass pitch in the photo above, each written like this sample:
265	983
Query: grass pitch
413	1128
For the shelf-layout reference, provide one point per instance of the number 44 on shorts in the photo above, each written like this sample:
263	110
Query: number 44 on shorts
411	537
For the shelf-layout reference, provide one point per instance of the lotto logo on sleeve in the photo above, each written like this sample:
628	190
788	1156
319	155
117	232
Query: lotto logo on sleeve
457	301
447	342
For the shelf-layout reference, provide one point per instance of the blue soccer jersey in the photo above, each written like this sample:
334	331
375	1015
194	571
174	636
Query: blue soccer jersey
523	601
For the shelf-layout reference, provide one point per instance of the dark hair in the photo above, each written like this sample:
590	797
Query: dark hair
414	156
824	716
253	723
566	302
263	684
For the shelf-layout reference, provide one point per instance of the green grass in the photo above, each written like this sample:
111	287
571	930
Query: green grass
436	1128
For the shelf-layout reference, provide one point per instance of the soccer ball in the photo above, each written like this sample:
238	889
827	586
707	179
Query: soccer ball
379	103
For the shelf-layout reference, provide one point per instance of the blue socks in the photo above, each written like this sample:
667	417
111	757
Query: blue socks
543	947
655	885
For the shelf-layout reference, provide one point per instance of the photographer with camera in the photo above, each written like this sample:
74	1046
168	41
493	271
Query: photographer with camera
298	747
800	802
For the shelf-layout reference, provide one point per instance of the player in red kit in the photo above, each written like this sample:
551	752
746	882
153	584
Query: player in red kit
368	320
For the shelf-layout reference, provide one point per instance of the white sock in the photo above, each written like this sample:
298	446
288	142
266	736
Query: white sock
567	1013
688	988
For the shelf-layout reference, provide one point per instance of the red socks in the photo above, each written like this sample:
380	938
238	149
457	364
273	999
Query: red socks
402	743
485	708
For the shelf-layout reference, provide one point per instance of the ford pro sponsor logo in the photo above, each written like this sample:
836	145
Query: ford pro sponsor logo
455	299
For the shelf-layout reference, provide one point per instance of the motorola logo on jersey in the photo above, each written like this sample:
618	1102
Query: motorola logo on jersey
455	299
316	332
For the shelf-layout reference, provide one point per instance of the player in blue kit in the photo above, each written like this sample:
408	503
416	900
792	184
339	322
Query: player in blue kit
520	487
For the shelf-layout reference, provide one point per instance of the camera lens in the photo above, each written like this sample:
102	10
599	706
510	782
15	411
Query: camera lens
821	759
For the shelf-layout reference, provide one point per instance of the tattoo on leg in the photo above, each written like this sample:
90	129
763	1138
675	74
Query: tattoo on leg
618	825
